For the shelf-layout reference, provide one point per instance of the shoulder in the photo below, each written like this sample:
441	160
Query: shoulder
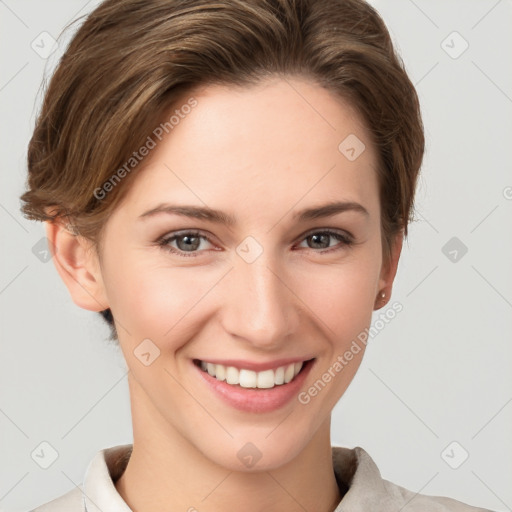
420	502
365	489
98	491
72	501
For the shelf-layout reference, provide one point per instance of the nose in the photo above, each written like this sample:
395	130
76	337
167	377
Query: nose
258	305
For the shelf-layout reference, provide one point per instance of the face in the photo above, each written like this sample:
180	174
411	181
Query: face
272	288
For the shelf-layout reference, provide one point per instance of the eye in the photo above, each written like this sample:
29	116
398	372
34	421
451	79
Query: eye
188	242
321	238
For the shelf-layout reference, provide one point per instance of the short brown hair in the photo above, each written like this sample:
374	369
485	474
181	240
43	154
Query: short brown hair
130	60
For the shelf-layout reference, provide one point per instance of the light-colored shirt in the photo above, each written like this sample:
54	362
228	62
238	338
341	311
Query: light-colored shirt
361	486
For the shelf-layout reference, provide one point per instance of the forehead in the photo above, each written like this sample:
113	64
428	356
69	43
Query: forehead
283	139
284	109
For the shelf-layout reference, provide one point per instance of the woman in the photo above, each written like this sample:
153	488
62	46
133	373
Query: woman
229	185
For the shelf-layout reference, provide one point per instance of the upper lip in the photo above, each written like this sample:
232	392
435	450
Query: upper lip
242	364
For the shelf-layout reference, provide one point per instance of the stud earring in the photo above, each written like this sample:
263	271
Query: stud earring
382	297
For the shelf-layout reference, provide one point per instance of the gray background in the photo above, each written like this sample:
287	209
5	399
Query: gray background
439	372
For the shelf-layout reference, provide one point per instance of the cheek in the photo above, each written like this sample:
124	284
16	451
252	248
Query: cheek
163	303
152	301
342	295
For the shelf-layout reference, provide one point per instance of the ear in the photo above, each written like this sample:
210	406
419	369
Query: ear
388	271
78	265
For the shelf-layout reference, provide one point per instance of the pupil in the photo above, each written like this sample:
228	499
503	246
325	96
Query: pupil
188	242
315	237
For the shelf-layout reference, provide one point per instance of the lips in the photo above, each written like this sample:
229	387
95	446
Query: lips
240	375
255	400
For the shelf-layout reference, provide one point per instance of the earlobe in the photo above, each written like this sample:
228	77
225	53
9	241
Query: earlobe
78	266
388	272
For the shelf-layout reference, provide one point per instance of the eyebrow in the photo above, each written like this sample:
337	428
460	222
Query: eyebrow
219	217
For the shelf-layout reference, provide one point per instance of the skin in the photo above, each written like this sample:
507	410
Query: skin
260	154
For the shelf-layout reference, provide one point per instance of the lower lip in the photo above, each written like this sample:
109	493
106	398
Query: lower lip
255	399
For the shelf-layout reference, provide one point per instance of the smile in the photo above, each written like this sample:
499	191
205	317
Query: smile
246	378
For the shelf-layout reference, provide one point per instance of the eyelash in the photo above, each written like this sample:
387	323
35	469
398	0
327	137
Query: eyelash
346	241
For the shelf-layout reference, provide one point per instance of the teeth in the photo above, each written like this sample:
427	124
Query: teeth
249	379
220	372
210	368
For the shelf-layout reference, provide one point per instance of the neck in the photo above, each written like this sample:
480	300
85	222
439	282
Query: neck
166	472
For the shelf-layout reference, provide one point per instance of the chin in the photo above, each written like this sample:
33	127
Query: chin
253	453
